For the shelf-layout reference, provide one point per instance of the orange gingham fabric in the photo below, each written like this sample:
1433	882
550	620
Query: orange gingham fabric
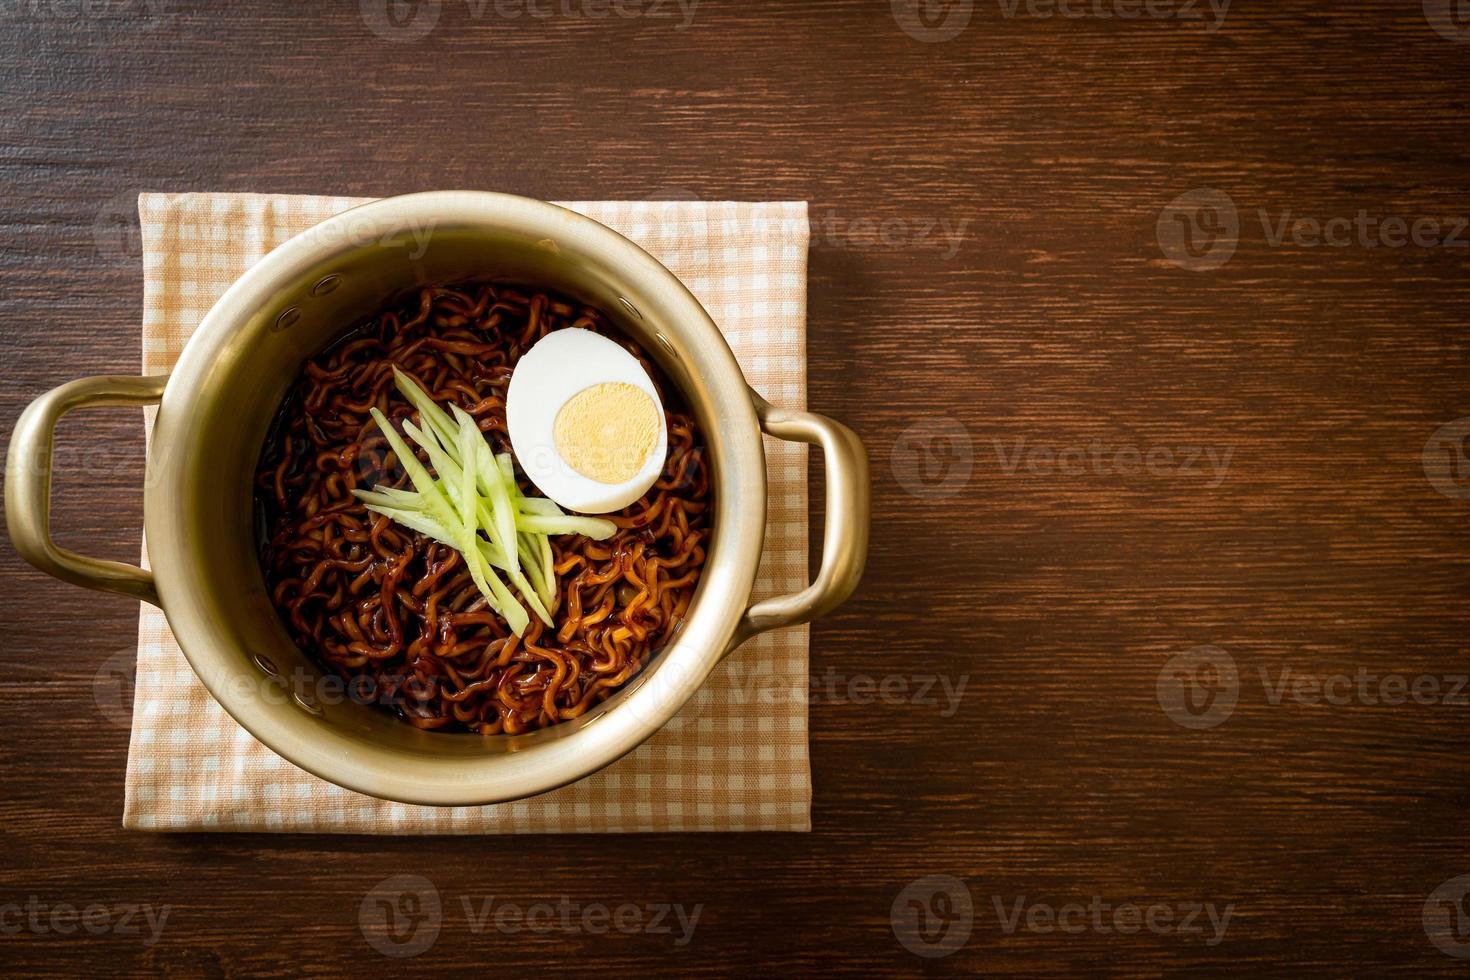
734	759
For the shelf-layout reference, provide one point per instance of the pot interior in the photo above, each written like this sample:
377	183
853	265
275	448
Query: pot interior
220	405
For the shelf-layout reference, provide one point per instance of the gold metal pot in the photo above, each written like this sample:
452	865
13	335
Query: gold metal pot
214	410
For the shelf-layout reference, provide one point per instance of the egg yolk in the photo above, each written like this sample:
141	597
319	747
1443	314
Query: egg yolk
606	432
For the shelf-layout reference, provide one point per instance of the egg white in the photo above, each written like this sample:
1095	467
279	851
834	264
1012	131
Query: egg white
547	376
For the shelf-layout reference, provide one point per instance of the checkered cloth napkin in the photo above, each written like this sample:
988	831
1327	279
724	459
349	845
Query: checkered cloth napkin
734	759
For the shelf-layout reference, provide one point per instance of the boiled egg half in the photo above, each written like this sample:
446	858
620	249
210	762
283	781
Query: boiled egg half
586	422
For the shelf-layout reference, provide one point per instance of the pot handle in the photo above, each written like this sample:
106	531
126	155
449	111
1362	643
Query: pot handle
845	537
28	483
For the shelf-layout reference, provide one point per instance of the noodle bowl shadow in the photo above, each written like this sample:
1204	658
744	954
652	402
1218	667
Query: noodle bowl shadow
214	413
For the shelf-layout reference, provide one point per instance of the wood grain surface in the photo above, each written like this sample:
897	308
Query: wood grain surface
1113	460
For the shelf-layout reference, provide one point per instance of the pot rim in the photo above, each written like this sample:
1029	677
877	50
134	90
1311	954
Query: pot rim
648	702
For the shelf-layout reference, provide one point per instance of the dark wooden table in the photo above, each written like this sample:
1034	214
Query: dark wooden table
1150	324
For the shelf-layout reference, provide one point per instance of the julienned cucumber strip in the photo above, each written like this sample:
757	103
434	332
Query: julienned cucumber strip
473	512
529	593
430	527
403	498
494	590
548	563
381	498
502	529
537	571
413	520
500	498
433	497
472	450
431	414
475	490
469	497
451	478
419	520
524	504
469	531
440	508
593	527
